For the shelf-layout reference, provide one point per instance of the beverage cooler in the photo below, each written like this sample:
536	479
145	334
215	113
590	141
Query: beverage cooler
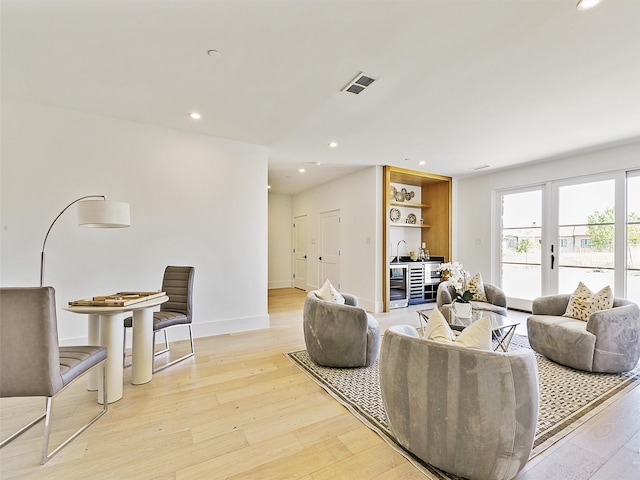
398	286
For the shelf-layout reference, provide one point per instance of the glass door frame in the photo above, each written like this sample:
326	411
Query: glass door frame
620	221
549	276
519	303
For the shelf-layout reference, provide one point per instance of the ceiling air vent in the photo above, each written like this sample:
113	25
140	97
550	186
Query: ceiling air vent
359	84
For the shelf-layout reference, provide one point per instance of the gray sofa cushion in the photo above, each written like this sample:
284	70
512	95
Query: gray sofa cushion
562	339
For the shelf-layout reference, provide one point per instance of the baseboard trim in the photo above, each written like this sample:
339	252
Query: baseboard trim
202	329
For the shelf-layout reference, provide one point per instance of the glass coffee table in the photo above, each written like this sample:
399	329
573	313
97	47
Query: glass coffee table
502	328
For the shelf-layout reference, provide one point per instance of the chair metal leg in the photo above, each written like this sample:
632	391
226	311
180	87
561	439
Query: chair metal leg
184	357
45	457
22	430
166	343
126	364
105	406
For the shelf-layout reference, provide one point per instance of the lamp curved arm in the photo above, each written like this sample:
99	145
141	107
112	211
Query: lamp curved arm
51	226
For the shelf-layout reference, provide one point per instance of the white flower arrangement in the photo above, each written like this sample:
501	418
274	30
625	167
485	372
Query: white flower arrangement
456	275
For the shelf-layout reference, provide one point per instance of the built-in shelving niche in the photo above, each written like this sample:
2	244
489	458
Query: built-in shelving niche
431	204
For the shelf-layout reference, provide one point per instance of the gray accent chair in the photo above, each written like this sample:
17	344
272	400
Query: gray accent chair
608	342
496	299
177	283
340	335
33	364
469	412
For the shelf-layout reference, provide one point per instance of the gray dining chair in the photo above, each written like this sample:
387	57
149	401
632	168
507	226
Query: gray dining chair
33	364
177	283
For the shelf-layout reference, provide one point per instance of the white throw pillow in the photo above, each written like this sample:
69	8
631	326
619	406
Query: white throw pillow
584	302
329	294
476	286
477	335
438	329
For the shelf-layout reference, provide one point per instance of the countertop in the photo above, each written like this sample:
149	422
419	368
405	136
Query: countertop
405	260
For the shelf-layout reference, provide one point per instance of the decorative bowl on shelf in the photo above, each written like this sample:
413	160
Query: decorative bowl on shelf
411	218
394	214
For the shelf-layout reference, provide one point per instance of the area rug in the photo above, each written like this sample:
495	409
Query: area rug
568	398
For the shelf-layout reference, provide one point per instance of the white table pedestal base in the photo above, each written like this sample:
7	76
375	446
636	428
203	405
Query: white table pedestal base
142	356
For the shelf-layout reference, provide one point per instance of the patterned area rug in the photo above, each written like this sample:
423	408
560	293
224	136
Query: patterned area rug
568	398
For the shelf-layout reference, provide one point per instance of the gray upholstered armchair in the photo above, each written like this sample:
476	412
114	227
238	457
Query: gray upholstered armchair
469	412
340	335
608	342
496	299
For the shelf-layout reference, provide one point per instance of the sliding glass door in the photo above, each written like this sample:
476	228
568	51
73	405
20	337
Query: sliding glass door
520	255
554	235
633	236
584	243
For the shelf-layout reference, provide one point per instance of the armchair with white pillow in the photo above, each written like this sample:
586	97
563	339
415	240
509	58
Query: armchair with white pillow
455	403
337	332
586	331
486	297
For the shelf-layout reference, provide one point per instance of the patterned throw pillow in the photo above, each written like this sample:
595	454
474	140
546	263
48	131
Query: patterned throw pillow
477	335
328	293
476	287
584	302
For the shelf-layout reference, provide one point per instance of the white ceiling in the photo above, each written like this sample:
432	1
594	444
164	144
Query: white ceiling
461	83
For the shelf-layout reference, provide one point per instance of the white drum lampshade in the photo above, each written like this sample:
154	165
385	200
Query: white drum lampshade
92	213
103	214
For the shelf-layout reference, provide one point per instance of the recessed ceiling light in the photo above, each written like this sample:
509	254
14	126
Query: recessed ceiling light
301	170
195	116
421	162
214	53
333	144
268	187
587	4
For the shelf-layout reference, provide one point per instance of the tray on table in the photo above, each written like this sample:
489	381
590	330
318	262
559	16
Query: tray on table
120	299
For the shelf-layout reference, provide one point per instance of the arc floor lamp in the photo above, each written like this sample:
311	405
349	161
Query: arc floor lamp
92	213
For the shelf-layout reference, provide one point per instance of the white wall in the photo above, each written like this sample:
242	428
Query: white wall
473	197
280	241
195	200
358	197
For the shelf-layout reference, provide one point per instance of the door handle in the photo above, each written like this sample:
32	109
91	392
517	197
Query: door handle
320	258
553	259
305	257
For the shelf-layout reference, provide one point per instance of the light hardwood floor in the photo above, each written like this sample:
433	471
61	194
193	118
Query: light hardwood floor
240	410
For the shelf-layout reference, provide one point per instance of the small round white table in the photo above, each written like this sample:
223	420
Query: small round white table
106	328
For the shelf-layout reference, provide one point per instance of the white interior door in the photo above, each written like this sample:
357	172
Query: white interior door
329	247
300	252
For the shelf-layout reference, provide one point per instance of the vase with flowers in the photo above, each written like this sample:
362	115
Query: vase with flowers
454	273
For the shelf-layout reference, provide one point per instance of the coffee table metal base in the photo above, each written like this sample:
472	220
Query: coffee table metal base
502	329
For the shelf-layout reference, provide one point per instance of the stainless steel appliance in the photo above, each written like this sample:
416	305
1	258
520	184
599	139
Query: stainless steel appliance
398	286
